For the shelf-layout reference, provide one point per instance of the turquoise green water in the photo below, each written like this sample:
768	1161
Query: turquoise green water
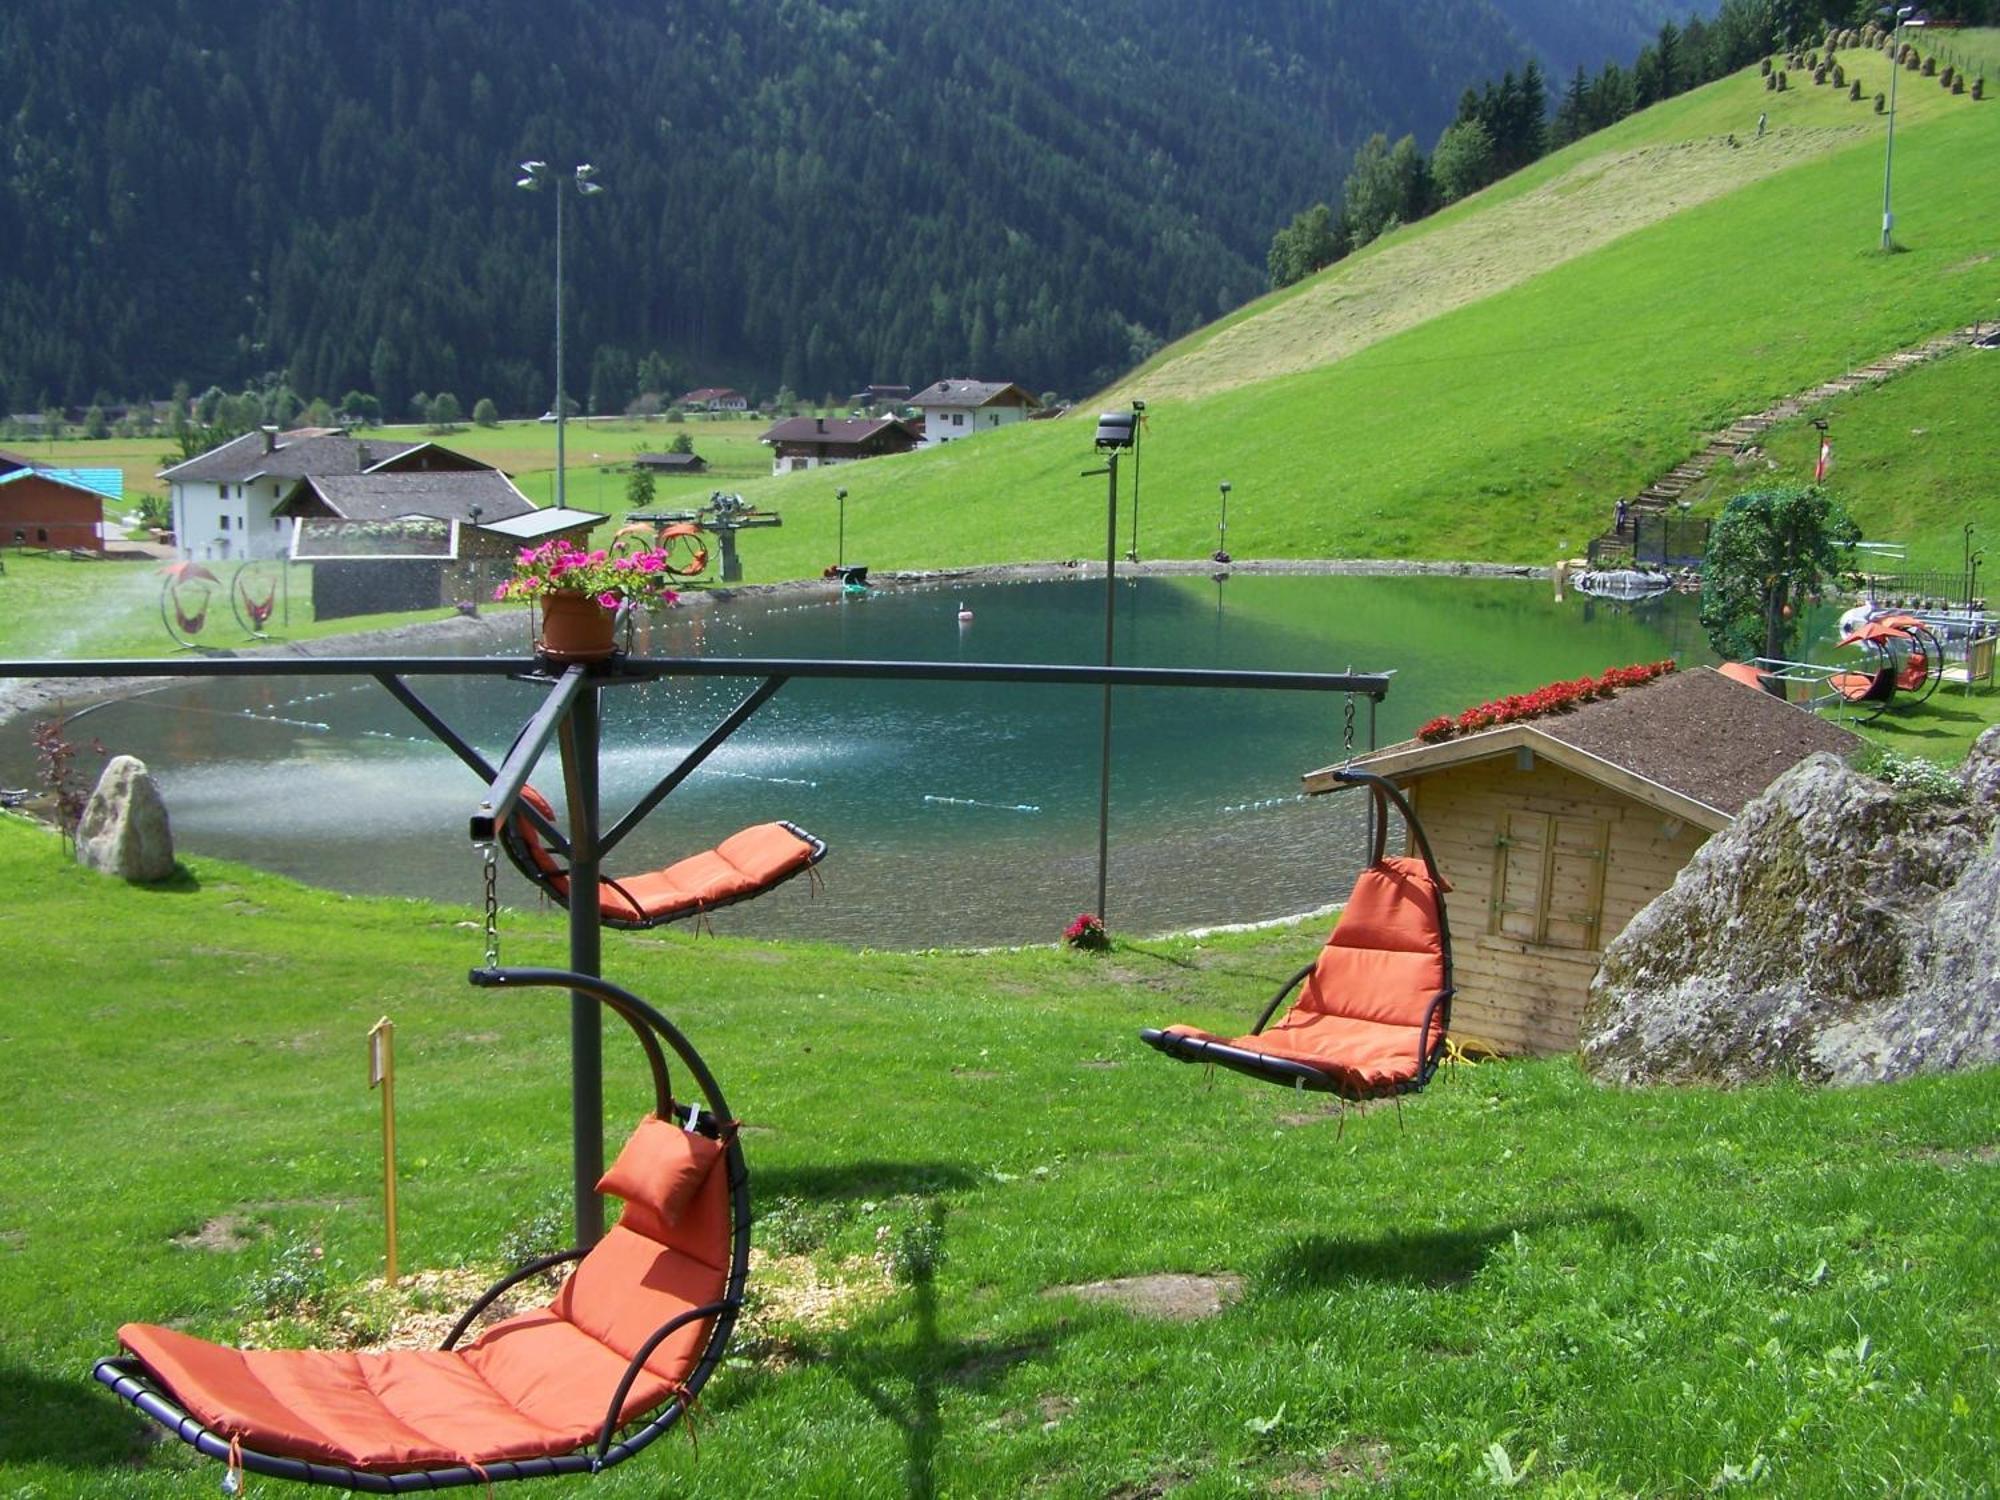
955	814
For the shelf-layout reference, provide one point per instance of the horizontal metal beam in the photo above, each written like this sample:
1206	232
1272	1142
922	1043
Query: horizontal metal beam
280	666
621	670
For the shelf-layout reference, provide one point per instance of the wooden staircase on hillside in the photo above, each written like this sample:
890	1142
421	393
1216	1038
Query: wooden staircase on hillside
1657	499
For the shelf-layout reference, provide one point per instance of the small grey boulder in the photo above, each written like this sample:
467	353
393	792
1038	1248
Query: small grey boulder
124	831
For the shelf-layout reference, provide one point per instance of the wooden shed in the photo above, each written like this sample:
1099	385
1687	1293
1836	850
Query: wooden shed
1554	831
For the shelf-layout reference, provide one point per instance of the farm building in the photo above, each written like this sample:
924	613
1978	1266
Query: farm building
800	443
45	507
1555	831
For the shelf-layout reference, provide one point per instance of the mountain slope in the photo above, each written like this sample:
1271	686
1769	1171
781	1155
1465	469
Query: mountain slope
813	194
1502	427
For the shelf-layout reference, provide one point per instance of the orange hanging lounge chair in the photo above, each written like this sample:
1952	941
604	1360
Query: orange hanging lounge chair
612	1362
1371	1019
741	867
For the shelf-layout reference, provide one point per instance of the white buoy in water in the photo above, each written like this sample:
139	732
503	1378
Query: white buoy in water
964	614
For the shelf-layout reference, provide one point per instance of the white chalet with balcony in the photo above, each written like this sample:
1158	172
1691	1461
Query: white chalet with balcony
958	408
226	501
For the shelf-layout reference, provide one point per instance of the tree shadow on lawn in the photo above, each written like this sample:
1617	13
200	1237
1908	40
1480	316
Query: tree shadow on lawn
896	1360
1433	1258
862	1179
75	1423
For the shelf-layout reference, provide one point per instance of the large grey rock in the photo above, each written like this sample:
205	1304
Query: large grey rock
1837	932
125	831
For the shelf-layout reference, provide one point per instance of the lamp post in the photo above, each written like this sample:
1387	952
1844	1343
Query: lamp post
840	543
534	176
1115	430
1138	423
1904	15
1222	531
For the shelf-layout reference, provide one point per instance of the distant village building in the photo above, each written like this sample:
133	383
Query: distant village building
418	539
714	398
959	408
1554	831
801	443
880	395
226	501
45	506
670	463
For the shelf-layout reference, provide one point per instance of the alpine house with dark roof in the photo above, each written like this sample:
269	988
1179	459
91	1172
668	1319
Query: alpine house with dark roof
226	501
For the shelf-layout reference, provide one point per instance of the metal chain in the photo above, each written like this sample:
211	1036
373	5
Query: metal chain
1347	726
490	855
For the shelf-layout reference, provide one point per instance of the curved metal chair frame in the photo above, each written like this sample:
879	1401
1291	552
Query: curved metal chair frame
129	1380
1437	1019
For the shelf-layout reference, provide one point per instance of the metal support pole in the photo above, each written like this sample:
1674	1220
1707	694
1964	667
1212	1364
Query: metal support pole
1110	637
562	413
1138	431
1889	156
581	733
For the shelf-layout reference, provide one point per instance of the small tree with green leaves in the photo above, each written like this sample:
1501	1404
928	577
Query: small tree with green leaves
1462	164
485	413
445	412
683	443
639	487
1768	553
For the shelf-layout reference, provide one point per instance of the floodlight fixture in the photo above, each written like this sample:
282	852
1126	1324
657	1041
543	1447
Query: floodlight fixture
1115	429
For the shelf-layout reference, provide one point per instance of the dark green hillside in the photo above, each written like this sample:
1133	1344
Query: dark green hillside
814	195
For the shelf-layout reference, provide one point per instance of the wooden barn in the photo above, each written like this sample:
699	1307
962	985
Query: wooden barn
1554	831
45	507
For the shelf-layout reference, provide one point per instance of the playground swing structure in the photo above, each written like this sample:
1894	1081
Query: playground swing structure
610	1364
740	868
605	1301
1373	1012
1902	662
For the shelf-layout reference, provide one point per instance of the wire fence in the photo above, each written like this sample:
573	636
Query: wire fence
1662	539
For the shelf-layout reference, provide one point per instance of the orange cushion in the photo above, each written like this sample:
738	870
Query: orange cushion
740	865
1368	1055
1368	984
531	837
536	1385
658	1174
1393	906
1360	1014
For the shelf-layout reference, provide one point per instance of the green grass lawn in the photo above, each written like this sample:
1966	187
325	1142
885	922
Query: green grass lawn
1611	1292
56	607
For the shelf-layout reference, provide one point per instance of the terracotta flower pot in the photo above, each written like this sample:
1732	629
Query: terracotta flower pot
575	627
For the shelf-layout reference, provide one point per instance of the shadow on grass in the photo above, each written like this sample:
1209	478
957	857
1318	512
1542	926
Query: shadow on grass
1433	1258
898	1362
74	1423
183	882
863	1179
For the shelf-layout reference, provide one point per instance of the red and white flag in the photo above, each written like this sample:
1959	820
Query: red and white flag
1825	465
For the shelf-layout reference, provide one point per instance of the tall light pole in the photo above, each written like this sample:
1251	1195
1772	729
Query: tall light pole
1222	531
534	176
1116	430
840	543
1903	15
1138	425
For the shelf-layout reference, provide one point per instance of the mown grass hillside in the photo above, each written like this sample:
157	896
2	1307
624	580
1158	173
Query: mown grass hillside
1501	412
1519	1274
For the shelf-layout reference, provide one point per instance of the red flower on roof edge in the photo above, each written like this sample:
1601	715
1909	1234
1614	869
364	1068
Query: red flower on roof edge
1556	698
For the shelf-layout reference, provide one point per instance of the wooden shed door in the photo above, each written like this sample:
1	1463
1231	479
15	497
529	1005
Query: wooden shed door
1548	879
